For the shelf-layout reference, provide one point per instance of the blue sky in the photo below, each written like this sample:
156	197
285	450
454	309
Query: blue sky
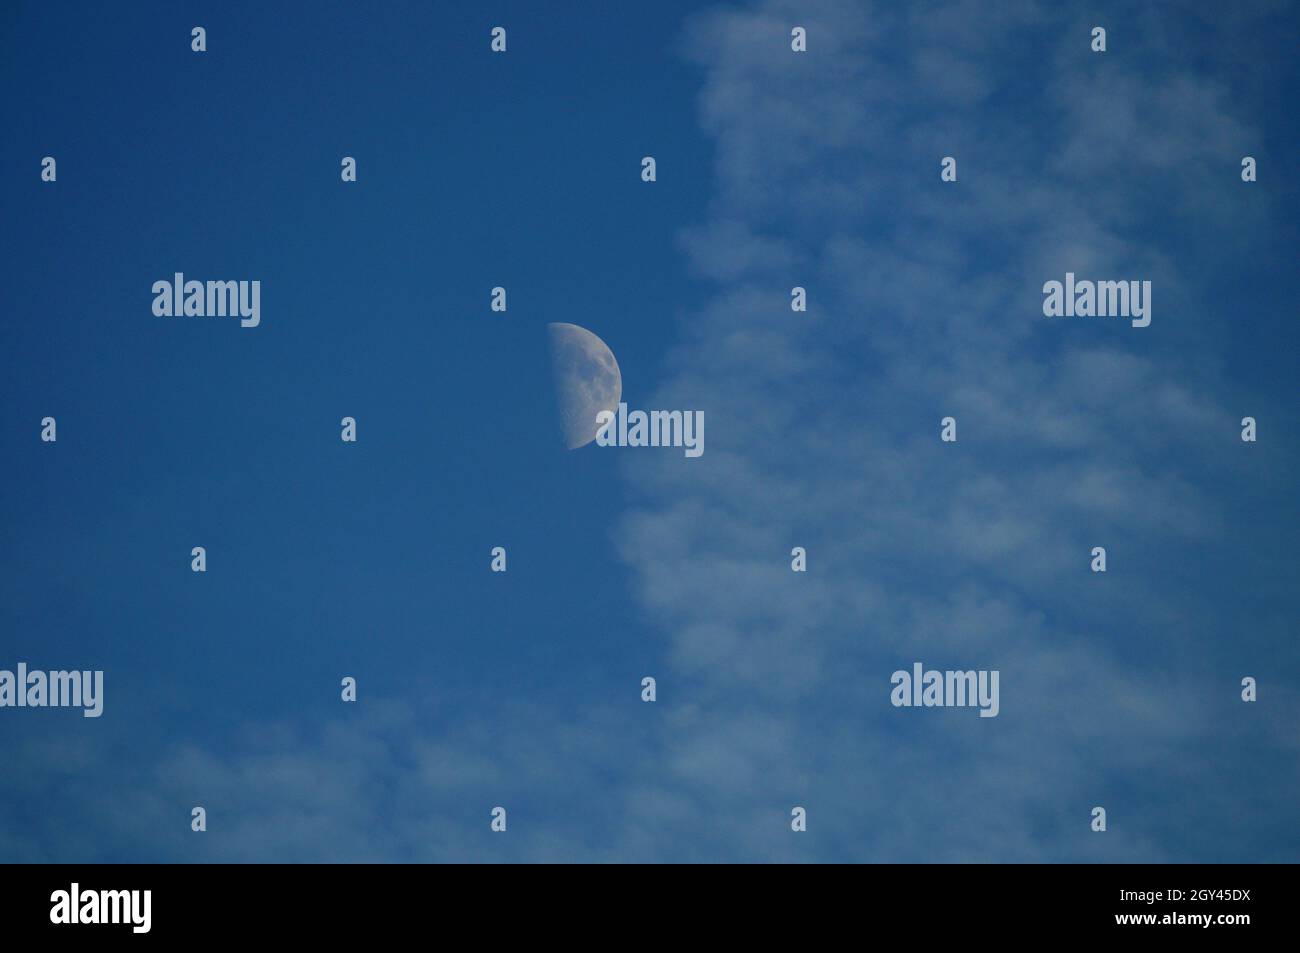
328	559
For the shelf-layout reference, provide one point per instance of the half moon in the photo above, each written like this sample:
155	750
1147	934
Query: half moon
587	381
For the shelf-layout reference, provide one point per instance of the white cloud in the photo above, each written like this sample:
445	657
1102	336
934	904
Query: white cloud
925	301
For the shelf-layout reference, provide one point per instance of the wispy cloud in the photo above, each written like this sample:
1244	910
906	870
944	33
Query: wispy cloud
924	302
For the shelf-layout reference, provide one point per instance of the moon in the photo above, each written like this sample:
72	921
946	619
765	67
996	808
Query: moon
587	381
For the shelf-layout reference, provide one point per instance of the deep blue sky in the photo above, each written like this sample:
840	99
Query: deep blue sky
328	559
